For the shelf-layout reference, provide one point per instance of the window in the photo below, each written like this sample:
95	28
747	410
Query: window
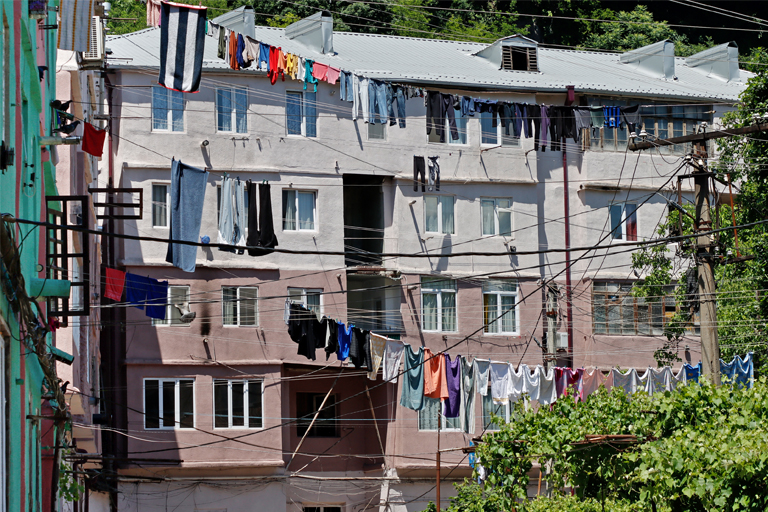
232	399
298	210
377	131
169	403
309	297
177	296
497	216
461	124
496	135
431	415
624	222
617	311
518	58
301	113
438	304
326	424
438	215
160	202
500	307
232	110
167	110
490	408
239	306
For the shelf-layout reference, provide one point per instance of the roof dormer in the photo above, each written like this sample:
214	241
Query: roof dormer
513	53
656	60
720	61
314	31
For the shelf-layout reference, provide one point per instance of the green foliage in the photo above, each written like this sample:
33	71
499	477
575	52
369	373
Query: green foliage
69	488
137	11
699	448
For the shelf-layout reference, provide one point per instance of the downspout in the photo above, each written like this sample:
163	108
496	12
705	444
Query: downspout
570	96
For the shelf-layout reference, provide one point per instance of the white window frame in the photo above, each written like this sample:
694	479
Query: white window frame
169	115
296	221
496	209
425	289
237	300
487	398
442	420
498	324
432	138
500	135
623	224
233	115
304	114
246	391
170	307
440	199
177	403
167	204
301	297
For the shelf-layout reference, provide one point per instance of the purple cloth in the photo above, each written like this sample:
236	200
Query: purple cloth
453	378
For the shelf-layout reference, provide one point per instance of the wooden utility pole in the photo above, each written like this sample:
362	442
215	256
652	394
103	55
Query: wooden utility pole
437	460
705	256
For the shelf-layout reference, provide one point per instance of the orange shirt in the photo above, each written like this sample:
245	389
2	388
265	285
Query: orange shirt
435	383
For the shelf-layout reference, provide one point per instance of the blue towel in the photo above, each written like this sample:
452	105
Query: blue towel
187	197
692	372
413	379
157	299
136	290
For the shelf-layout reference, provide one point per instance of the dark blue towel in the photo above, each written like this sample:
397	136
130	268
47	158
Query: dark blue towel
157	299
136	290
187	197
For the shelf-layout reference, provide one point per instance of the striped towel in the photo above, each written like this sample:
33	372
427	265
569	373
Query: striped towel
182	40
75	27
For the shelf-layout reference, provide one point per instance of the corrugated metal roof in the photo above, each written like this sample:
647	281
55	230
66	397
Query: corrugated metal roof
452	64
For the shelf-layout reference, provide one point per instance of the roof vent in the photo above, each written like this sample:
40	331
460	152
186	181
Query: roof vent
315	31
721	61
514	53
656	60
242	20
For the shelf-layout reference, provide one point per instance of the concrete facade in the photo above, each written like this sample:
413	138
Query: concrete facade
379	457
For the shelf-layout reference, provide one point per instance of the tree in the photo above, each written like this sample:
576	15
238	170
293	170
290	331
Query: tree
133	14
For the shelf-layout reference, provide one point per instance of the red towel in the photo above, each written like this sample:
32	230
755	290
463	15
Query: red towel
115	284
93	140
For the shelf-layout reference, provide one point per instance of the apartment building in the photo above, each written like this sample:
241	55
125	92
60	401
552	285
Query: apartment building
344	186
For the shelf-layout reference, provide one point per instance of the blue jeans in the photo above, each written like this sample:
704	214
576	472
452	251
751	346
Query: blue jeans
345	92
377	101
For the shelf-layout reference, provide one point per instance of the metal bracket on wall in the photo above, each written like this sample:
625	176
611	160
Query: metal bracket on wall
129	205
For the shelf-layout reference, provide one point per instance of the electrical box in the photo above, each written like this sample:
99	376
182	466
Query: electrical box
561	341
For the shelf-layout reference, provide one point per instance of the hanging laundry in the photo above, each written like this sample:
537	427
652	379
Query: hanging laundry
93	140
398	96
182	39
452	404
319	71
412	395
274	71
115	281
679	379
500	382
542	137
583	119
357	347
433	181
377	102
419	173
467	106
450	114
482	372
739	371
221	48
260	241
263	60
360	97
308	78
590	382
332	75
238	235
531	381
378	344
631	116
75	26
331	338
435	385
467	412
153	13
187	197
157	297
287	312
393	352
301	72
136	290
345	86
240	53
692	373
232	51
252	49
345	338
598	119
516	384
547	387
226	215
657	380
282	63
627	381
436	114
564	379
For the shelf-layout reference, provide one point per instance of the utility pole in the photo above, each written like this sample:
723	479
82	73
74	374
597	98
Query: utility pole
705	259
551	312
437	460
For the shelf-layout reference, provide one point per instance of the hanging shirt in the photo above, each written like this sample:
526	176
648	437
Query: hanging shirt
221	49
393	352
452	406
692	372
226	212
308	77
241	60
542	138
482	371
626	381
319	71
500	382
282	63
516	386
252	50
547	388
679	379
357	347
263	62
378	344
136	290
412	395
157	298
274	55
332	75
590	382
467	412
531	381
115	282
435	385
345	335
331	338
153	13
232	51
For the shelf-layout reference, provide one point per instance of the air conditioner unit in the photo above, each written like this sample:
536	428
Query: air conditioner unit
95	51
561	341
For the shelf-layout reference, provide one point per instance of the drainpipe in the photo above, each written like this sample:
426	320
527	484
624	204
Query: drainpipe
570	96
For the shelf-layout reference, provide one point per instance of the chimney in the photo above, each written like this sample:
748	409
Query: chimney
721	61
656	60
315	32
